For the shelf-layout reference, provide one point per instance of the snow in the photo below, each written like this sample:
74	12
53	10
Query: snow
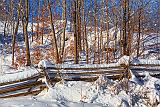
101	93
134	79
46	63
18	74
104	91
124	60
32	102
153	86
146	61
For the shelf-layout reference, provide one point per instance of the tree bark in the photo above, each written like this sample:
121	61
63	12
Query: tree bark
79	24
75	33
107	29
25	21
38	20
129	31
139	33
32	20
124	27
85	39
15	32
64	27
95	30
54	41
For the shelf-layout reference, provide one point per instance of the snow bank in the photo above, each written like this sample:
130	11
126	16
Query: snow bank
146	90
106	92
96	93
153	86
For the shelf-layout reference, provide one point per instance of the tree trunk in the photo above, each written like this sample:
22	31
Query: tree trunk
38	20
4	30
95	30
124	41
101	36
32	20
28	61
79	25
15	33
139	33
107	15
64	28
25	21
129	31
32	28
85	39
75	34
54	41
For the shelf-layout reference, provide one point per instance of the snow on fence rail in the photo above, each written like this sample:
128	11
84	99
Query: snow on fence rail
21	83
82	72
113	70
27	73
80	68
75	72
48	65
145	62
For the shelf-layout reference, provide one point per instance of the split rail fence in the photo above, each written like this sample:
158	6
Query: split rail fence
76	72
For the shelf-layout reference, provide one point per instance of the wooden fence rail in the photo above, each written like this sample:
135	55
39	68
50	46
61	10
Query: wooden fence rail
88	73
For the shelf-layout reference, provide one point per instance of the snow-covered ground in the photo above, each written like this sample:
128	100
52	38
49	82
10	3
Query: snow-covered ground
31	102
101	93
137	92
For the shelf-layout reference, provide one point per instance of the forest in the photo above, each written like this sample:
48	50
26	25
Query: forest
98	49
101	30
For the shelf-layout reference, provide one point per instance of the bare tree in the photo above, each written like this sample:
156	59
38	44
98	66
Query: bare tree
95	30
78	11
139	32
107	30
25	20
124	40
15	32
54	41
75	33
85	38
64	26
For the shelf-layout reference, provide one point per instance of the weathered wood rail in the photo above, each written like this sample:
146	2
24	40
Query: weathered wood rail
91	73
35	92
36	76
139	69
22	87
88	73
